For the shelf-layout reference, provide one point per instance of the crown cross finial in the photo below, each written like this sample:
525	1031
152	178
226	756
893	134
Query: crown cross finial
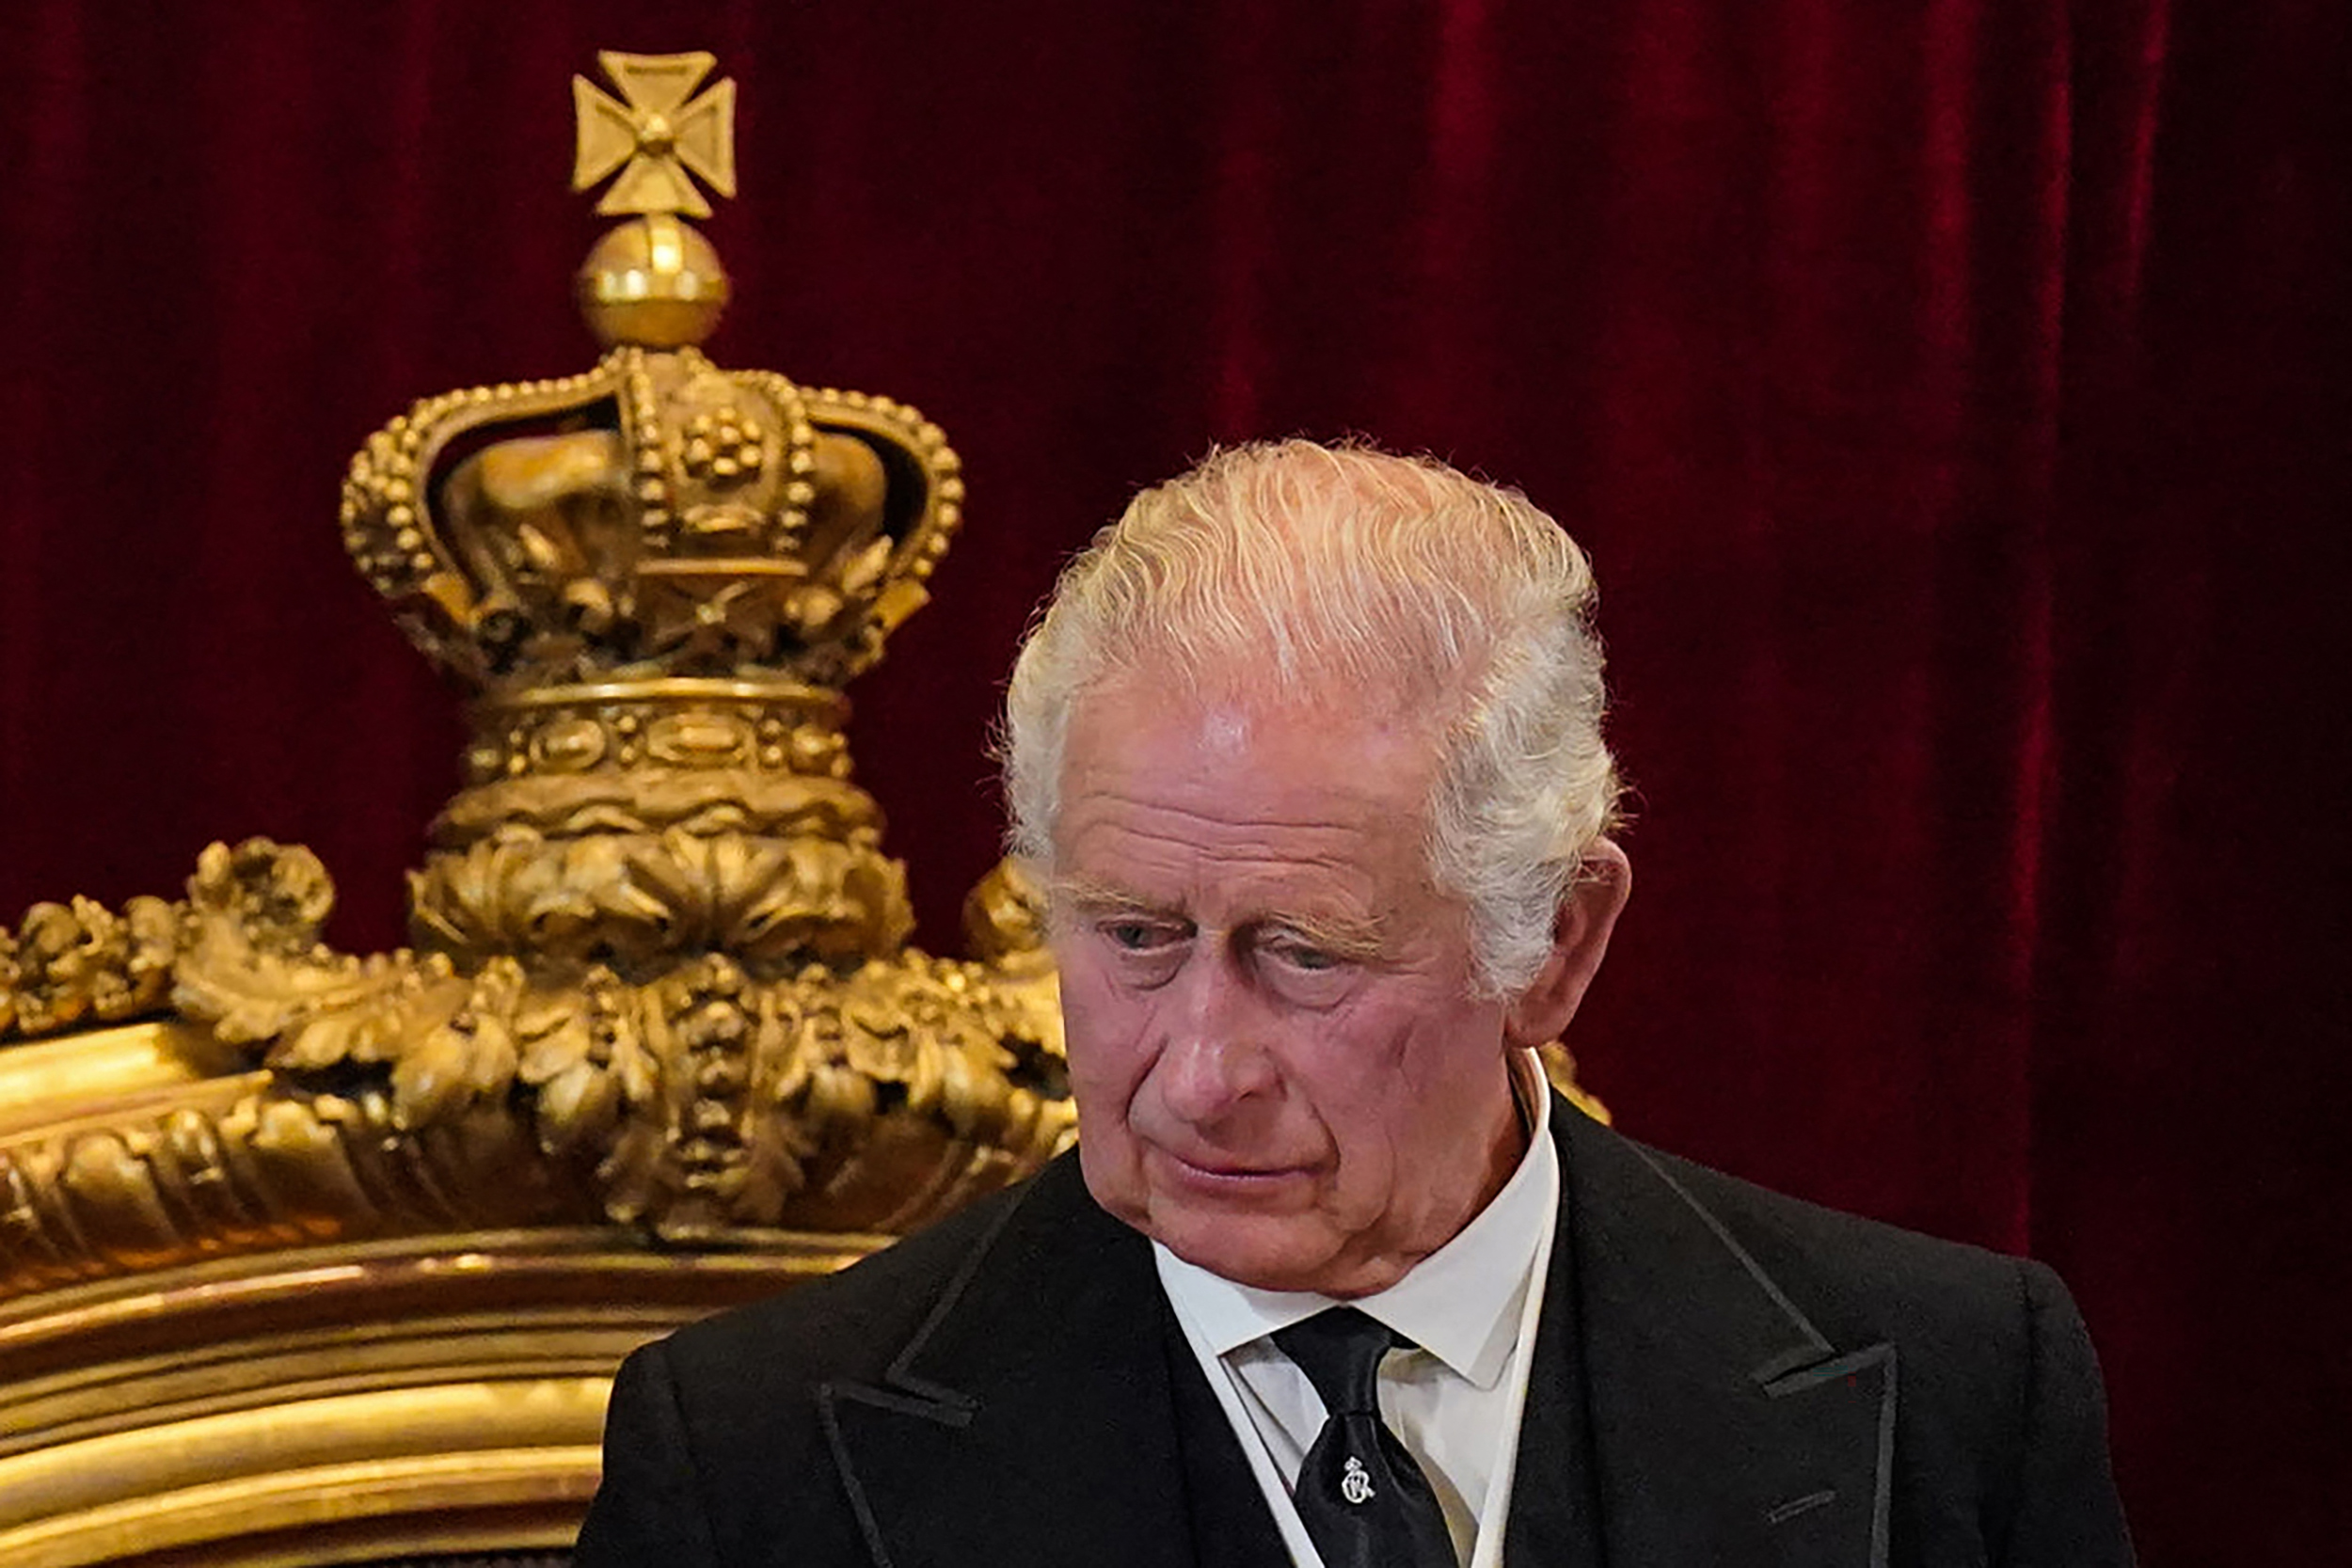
657	132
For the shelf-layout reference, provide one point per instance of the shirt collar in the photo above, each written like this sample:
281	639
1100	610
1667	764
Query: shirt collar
1461	1302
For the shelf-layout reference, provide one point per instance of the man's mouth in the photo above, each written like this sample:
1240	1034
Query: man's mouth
1223	1171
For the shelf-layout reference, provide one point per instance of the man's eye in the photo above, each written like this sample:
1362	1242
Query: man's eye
1135	936
1303	956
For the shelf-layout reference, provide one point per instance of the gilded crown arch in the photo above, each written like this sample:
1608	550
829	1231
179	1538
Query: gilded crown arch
308	1256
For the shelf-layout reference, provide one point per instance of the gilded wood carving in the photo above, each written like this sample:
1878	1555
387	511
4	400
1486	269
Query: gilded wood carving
660	974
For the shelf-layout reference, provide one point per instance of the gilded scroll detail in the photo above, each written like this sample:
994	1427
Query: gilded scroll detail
253	1169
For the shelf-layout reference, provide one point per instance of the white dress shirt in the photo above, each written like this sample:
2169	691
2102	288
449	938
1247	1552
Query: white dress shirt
1471	1307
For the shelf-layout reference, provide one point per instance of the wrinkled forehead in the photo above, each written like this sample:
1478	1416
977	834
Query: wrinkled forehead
1235	752
1232	704
1218	804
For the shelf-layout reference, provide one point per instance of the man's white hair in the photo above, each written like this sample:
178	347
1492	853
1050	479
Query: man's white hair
1299	569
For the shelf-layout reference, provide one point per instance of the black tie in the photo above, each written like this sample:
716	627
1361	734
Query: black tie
1364	1502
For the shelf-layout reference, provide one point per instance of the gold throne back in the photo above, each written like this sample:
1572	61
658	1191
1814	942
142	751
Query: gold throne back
312	1257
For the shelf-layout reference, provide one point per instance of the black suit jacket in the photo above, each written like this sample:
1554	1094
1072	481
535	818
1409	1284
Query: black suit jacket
1764	1381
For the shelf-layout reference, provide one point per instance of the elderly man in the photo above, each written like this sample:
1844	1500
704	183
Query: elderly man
1308	749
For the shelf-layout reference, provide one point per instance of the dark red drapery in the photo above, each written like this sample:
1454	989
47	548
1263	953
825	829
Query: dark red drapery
1953	394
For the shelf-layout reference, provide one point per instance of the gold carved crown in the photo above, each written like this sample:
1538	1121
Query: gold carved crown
657	564
663	519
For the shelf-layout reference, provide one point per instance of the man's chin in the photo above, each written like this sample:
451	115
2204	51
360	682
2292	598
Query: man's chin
1261	1263
1282	1250
1259	1227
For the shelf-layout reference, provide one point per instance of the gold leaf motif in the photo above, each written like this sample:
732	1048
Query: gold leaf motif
429	1079
579	1108
556	1041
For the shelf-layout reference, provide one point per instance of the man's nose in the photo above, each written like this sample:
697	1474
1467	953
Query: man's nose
1215	1059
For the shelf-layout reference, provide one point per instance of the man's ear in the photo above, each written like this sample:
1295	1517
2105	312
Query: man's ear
1579	938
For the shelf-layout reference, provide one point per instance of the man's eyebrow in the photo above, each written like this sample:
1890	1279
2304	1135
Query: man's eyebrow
1341	936
1085	892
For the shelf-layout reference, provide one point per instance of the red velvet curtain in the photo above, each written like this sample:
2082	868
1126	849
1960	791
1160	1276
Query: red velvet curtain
1953	393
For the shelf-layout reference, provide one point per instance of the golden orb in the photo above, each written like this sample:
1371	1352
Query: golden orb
652	282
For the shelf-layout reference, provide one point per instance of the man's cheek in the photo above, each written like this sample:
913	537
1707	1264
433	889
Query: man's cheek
1094	1003
1106	1068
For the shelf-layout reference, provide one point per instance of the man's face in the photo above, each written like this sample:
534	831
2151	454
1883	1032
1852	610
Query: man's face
1279	1071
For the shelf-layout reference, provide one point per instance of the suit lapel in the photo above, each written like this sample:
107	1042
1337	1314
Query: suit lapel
1232	1525
1032	1413
1725	1428
1554	1512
